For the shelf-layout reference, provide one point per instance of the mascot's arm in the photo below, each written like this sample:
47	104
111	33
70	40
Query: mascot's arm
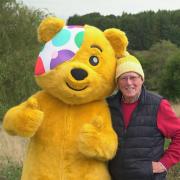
97	139
24	119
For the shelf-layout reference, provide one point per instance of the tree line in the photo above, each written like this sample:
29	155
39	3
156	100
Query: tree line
153	37
143	29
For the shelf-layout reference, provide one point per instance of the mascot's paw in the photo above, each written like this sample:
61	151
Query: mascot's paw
27	118
90	138
30	118
93	128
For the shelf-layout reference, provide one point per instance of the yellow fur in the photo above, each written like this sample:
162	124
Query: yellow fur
71	136
48	28
118	40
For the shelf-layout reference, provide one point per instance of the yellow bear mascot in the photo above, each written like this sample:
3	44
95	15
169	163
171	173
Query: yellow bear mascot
68	121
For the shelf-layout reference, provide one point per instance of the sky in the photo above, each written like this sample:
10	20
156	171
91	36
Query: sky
67	8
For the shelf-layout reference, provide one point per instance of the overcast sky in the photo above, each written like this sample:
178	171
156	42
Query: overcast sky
66	8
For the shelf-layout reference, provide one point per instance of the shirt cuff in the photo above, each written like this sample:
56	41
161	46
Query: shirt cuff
163	166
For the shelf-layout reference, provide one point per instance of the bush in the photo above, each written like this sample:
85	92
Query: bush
153	62
170	81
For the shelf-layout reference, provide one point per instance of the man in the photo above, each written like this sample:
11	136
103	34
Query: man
141	120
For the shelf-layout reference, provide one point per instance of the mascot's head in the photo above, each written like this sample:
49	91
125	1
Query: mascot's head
77	63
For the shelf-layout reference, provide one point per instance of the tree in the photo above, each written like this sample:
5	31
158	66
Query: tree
170	81
18	52
153	62
143	29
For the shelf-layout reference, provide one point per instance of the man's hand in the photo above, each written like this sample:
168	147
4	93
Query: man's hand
157	167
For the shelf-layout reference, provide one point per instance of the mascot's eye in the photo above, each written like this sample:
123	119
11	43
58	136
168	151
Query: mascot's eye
93	60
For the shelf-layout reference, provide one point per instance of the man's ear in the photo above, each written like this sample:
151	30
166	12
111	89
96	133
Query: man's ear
118	41
48	28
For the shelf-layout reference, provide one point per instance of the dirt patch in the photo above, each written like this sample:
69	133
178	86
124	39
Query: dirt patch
12	148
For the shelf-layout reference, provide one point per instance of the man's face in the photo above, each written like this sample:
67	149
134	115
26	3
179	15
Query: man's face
130	84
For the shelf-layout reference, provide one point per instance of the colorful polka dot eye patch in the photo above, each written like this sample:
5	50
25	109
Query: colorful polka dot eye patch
61	48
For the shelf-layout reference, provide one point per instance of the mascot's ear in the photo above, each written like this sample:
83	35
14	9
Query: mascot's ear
118	41
48	28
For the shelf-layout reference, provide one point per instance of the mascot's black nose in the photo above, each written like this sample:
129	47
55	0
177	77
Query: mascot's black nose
79	74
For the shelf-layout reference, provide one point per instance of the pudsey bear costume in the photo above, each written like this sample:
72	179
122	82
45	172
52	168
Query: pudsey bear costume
68	121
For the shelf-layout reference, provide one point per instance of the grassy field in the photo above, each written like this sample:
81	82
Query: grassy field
12	150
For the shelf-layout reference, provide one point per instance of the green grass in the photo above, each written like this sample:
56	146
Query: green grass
11	171
167	142
174	173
